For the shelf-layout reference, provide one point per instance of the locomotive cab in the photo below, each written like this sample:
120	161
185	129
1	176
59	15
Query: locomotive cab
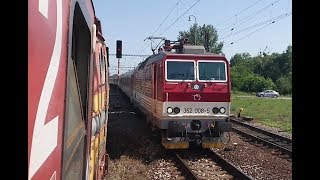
196	104
184	92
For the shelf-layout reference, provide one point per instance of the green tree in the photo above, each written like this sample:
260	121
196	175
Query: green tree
243	79
267	71
206	35
284	84
239	58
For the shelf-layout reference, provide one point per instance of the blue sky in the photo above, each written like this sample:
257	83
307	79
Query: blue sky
251	21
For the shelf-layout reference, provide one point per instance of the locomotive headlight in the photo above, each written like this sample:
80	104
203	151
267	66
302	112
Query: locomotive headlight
169	110
222	110
215	110
176	110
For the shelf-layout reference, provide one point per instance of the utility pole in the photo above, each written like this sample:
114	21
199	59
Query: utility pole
206	40
195	32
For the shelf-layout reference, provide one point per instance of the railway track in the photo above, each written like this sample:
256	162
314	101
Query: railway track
206	164
279	142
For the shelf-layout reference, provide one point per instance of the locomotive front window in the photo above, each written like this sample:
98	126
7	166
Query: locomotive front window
180	70
212	71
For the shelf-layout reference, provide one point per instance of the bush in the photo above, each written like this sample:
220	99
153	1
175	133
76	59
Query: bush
284	85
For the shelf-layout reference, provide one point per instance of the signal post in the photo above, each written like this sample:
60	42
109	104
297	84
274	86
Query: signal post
118	55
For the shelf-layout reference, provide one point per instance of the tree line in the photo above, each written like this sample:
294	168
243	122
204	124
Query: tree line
248	74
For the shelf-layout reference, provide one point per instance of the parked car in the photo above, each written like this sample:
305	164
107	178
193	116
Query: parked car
268	93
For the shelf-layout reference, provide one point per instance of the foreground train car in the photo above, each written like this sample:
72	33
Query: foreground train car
184	93
68	91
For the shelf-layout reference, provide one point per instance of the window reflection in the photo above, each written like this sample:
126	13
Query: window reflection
212	71
180	70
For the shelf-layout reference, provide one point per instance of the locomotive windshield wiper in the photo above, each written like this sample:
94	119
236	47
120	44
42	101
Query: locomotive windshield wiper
186	77
183	78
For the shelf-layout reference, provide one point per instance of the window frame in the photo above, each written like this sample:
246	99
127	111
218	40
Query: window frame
211	61
180	60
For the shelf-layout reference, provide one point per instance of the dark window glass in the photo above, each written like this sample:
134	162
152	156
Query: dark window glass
213	71
180	70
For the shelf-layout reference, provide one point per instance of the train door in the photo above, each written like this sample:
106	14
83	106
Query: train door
155	79
76	110
159	83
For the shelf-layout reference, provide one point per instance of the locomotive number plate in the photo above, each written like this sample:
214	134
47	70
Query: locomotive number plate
196	110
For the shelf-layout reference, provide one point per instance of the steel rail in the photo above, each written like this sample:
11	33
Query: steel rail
284	144
282	138
219	160
236	172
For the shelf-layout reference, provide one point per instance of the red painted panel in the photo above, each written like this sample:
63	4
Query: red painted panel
218	92
205	97
182	91
43	37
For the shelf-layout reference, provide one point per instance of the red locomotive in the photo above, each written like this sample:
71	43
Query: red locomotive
184	92
68	91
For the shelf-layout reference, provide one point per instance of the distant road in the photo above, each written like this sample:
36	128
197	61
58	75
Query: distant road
258	97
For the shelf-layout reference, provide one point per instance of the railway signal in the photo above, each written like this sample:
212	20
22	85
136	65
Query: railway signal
118	55
119	49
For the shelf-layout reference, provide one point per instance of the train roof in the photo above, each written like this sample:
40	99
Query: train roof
151	59
161	55
128	73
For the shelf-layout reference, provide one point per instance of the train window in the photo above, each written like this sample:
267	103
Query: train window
102	67
100	63
180	70
212	71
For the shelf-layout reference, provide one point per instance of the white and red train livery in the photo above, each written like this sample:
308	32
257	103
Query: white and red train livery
68	91
185	94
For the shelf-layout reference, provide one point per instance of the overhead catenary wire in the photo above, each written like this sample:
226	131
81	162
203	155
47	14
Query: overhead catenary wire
144	45
171	24
143	48
179	18
238	13
165	18
250	16
253	32
256	25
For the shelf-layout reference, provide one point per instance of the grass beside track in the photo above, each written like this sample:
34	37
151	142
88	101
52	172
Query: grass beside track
273	112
